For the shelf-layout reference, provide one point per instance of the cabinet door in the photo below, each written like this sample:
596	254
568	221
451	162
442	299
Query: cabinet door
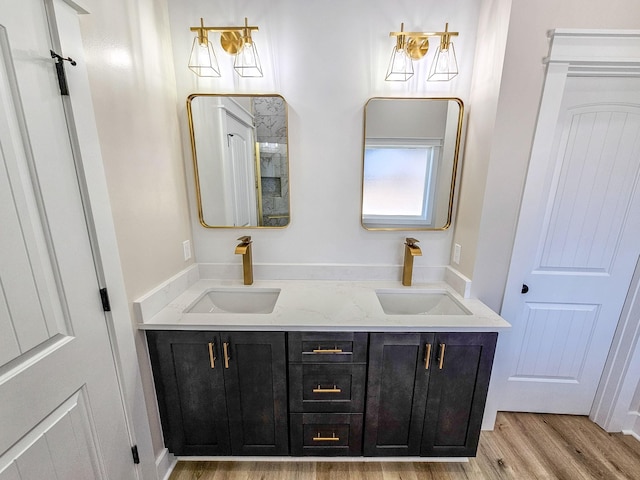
187	370
457	393
255	377
399	367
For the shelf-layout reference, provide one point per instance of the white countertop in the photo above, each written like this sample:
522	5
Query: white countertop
322	305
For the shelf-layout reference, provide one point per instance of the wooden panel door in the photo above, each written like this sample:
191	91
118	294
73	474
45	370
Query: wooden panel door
398	379
255	374
576	248
188	372
61	411
457	393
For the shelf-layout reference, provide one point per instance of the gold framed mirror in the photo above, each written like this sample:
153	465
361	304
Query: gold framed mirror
410	161
240	154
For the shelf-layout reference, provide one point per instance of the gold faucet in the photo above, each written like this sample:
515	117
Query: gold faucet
410	250
244	249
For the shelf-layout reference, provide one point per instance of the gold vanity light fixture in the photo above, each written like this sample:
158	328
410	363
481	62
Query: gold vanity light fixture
413	46
400	66
235	41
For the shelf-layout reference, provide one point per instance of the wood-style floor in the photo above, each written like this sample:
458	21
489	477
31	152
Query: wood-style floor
523	446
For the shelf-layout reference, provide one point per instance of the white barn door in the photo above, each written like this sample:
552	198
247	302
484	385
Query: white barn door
61	412
576	247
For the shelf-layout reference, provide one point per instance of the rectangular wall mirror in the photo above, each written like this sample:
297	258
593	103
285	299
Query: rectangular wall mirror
410	162
240	159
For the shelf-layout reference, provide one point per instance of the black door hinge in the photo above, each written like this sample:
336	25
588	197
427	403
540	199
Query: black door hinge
104	296
62	78
134	454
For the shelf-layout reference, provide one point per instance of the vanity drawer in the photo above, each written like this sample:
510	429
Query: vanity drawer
326	387
328	347
326	434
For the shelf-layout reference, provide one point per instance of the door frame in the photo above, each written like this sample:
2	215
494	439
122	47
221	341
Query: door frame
83	133
612	408
600	53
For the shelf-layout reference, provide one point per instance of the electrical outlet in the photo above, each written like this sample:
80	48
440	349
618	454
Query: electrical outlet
456	253
186	250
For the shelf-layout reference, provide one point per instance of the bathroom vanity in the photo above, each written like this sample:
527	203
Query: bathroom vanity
320	368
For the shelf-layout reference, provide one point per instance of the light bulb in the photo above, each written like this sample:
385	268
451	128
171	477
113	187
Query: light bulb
203	61
400	67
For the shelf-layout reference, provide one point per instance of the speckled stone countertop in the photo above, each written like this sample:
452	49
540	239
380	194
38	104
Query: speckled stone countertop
323	305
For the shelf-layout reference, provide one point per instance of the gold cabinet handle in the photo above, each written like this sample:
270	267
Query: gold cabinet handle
212	357
225	348
327	390
332	438
442	346
327	350
427	356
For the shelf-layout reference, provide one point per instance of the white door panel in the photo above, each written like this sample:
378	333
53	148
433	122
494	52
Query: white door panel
555	342
61	413
579	262
58	447
598	170
30	312
11	473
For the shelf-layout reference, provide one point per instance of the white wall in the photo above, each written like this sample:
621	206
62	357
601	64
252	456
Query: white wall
130	68
483	105
327	59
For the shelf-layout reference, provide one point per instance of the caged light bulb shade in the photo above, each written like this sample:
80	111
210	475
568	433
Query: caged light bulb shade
400	66
203	61
247	61
445	64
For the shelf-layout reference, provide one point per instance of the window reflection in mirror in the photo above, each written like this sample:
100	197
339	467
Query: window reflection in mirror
240	158
410	161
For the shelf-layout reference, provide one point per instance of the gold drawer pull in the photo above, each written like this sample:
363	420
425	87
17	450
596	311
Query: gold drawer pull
332	438
427	356
212	357
327	350
442	345
327	390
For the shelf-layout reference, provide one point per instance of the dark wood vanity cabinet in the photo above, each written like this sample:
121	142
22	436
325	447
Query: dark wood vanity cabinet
221	393
328	393
426	393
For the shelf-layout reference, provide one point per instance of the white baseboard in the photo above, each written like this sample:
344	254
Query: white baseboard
632	424
632	433
165	463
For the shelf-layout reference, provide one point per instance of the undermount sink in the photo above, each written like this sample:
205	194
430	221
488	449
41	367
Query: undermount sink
235	300
419	302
